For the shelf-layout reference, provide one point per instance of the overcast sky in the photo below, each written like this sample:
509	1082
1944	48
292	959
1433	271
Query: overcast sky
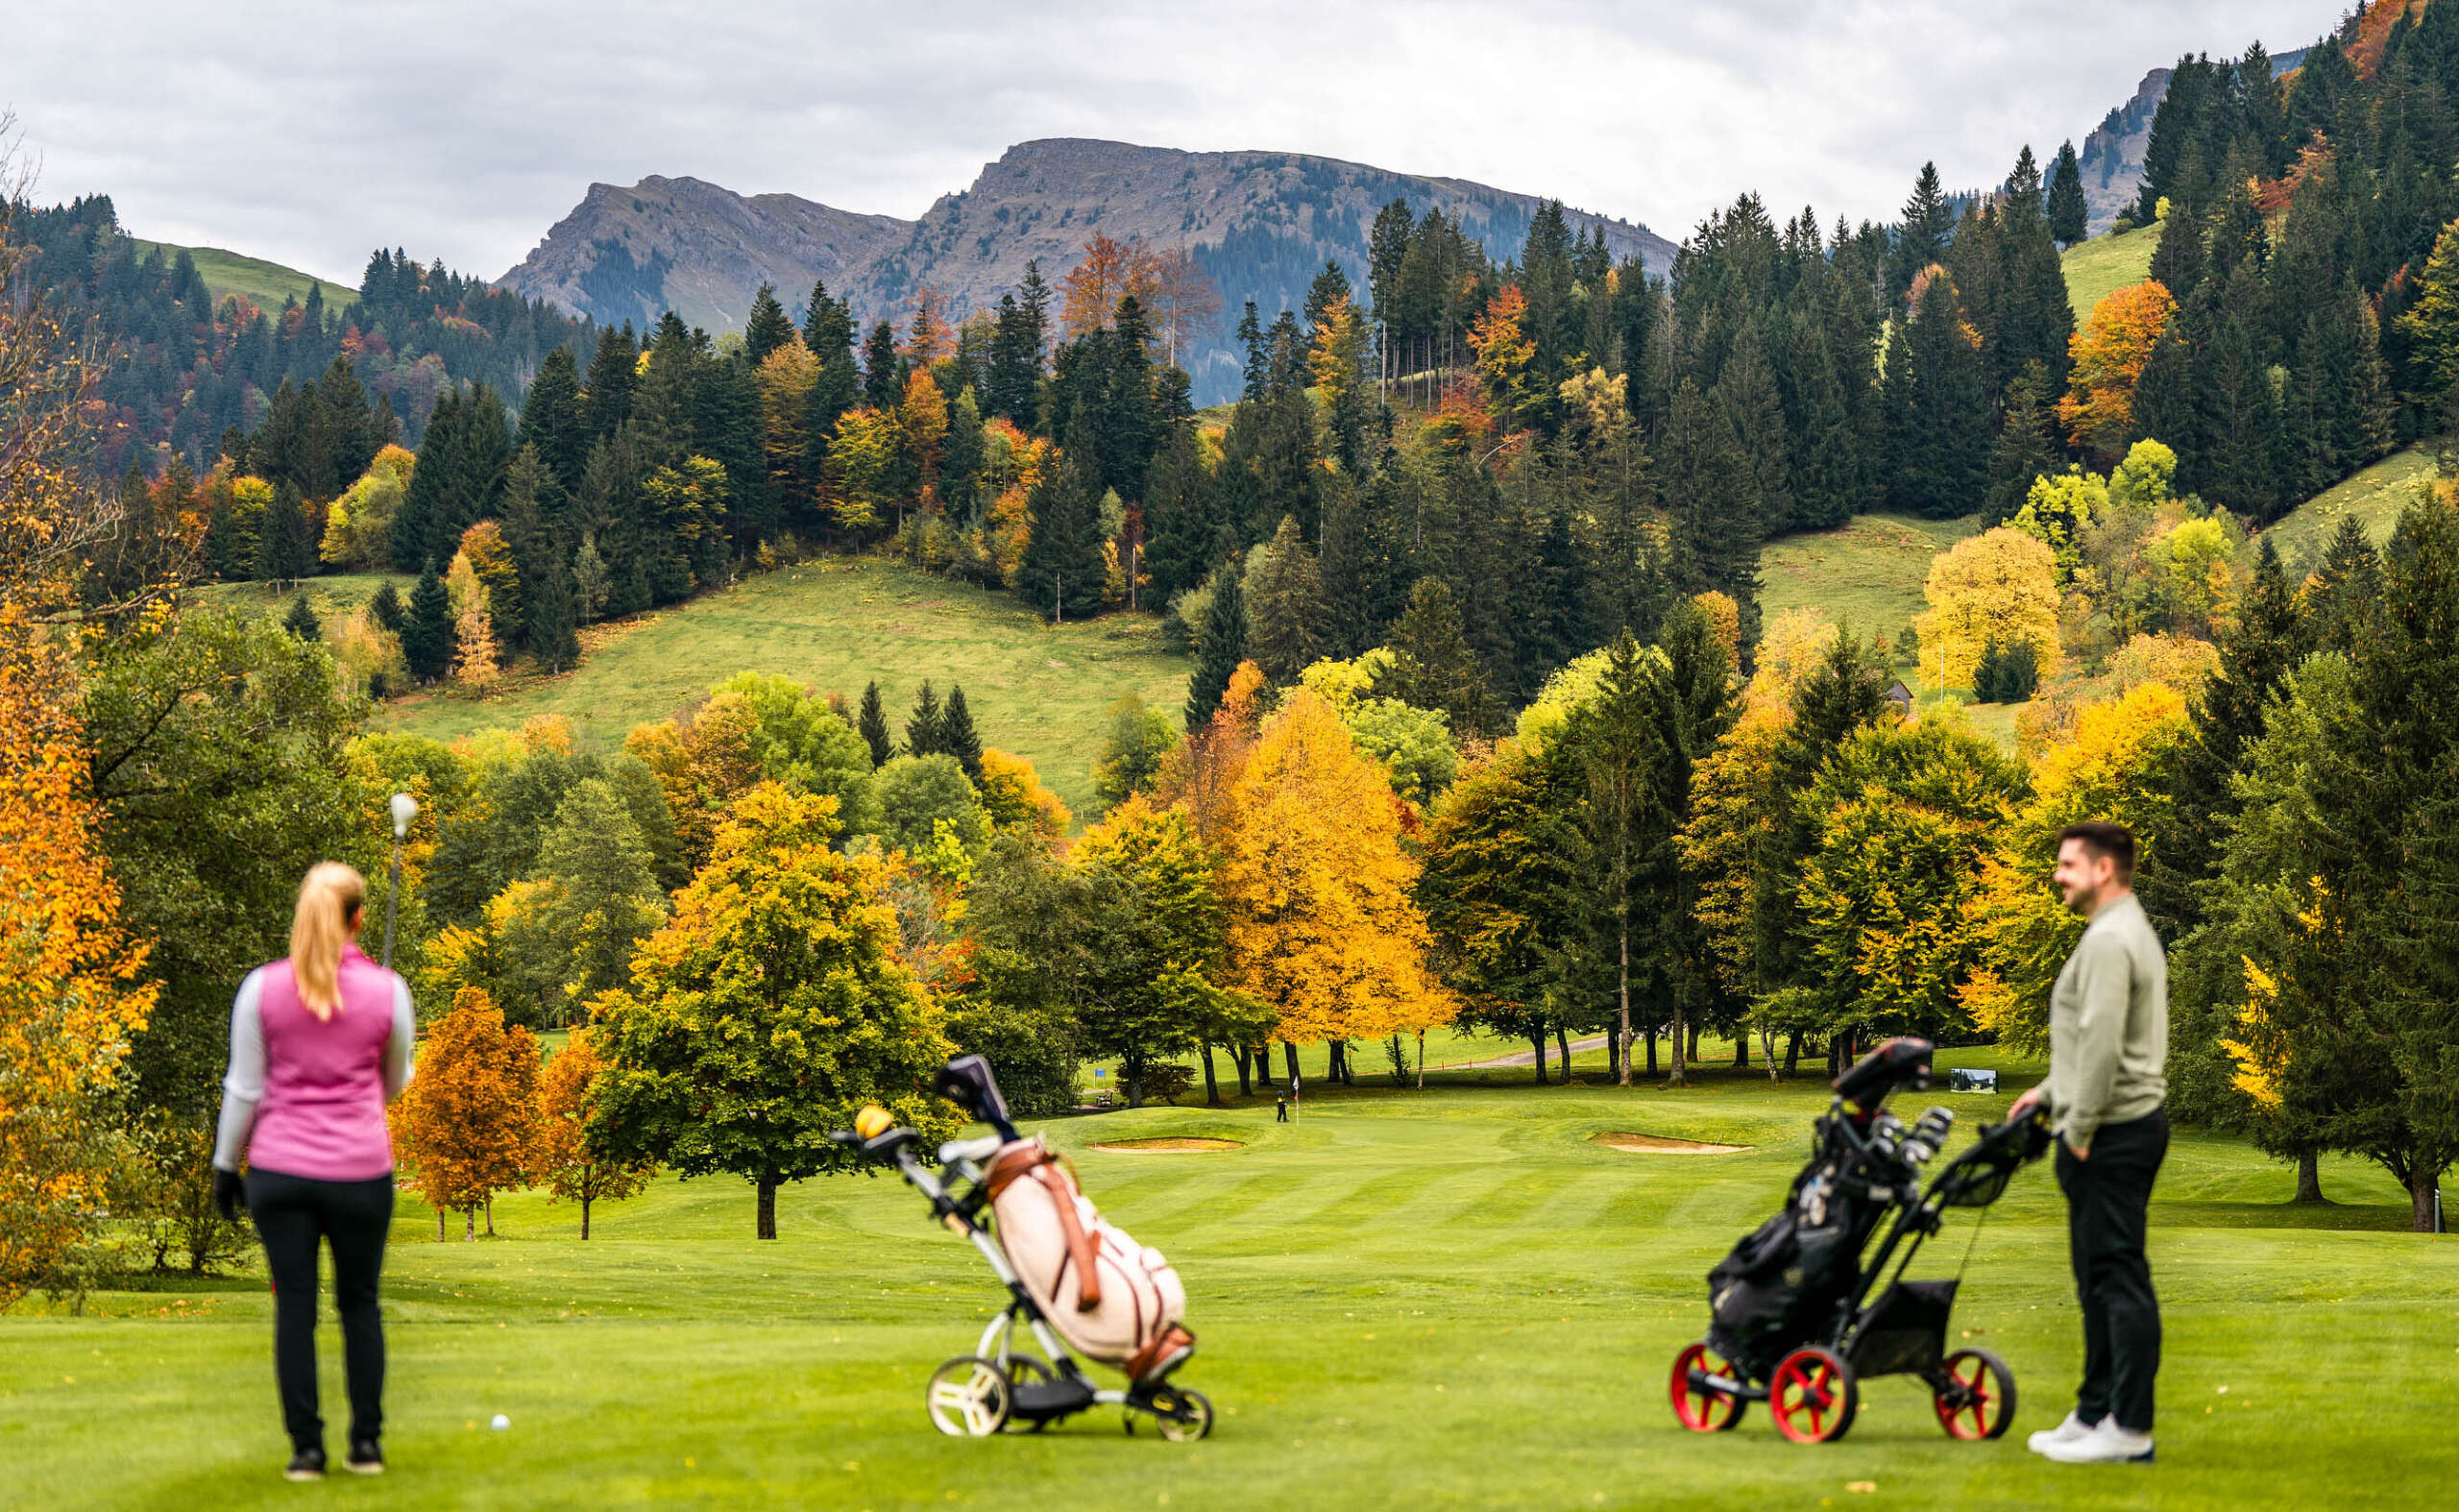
310	133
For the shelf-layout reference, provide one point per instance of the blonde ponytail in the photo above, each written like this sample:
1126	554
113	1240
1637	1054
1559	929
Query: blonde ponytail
318	931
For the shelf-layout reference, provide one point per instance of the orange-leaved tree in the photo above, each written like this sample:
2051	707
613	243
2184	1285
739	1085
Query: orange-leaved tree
1321	926
2108	355
565	1164
470	1115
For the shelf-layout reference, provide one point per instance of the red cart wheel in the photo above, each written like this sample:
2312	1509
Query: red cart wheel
1978	1398
1813	1396
1702	1409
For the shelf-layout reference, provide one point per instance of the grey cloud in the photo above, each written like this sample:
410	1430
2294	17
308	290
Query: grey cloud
311	134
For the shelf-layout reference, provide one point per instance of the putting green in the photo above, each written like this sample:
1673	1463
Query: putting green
1443	1299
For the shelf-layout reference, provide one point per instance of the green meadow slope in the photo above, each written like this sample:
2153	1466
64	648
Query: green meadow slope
1038	690
265	283
2099	267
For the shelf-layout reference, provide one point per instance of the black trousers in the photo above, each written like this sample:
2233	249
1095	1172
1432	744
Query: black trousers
2107	1197
292	1214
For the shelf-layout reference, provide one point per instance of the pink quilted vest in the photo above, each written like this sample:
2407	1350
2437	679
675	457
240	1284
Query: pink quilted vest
323	1112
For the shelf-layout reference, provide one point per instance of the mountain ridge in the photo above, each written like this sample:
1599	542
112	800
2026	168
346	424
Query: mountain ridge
1261	221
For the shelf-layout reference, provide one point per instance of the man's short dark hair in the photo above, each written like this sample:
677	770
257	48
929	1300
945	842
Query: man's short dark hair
2103	839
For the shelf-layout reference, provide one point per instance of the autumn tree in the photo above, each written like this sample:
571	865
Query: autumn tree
767	1011
1997	586
470	1114
565	1164
1323	929
2109	357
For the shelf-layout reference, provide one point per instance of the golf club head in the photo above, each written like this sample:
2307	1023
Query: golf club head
967	1082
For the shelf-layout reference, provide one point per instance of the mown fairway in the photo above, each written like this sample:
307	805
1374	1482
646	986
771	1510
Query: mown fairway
1447	1299
1035	690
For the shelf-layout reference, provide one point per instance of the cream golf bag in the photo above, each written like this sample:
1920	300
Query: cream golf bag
1108	1296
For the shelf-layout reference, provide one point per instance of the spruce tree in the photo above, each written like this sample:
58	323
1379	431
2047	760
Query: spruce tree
1707	488
883	372
285	542
956	735
1937	409
415	523
2026	447
1062	562
2068	215
386	607
1179	524
428	633
765	329
872	725
1433	666
554	615
926	729
613	373
2346	590
551	419
301	621
1285	603
1928	221
1220	647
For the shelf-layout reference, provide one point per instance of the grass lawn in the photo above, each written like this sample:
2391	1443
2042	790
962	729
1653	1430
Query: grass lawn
266	283
1037	691
2375	496
1868	570
1448	1299
2099	267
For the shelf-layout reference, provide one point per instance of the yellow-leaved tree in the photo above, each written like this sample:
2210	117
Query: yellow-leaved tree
570	1170
1321	926
1997	586
2104	771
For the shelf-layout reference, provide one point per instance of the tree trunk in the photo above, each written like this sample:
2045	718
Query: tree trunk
1767	1051
1691	1039
1793	1053
584	1219
1420	1059
1211	1087
1623	996
1537	1043
1246	1088
1685	1044
469	1225
1741	1049
1651	1050
439	1226
2422	1185
1289	1055
2309	1176
1336	1062
491	1215
1563	1042
767	1221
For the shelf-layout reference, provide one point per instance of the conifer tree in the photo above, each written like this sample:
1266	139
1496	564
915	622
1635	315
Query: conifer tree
285	542
1285	603
925	728
428	633
386	607
1180	530
957	737
1220	647
872	725
882	373
1707	490
551	419
765	329
1433	666
1062	562
2067	211
613	373
1928	221
301	621
2026	447
1938	408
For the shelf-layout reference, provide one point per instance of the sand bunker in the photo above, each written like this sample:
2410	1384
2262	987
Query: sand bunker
1167	1146
1658	1144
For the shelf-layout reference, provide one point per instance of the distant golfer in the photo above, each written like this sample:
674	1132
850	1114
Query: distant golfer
2109	1040
319	1042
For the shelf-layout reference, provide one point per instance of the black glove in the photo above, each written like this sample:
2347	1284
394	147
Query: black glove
228	1192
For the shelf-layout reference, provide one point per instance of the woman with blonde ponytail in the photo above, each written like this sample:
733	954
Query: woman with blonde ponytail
320	1042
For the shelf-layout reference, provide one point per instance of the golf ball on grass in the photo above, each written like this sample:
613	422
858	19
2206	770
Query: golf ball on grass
500	1423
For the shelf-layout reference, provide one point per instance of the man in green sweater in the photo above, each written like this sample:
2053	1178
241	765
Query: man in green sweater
2108	1041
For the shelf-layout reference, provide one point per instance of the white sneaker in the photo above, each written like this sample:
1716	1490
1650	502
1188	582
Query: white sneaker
2066	1432
2105	1444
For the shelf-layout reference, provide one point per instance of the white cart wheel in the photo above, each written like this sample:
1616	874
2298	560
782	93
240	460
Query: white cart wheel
968	1397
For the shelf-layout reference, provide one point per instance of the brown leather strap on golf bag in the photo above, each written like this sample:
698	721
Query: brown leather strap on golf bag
1041	1165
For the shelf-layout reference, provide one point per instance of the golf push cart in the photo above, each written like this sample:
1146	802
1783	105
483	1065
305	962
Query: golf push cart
1070	1276
1794	1323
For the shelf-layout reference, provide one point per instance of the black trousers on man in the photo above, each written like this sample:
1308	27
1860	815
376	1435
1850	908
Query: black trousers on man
2107	1197
292	1214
